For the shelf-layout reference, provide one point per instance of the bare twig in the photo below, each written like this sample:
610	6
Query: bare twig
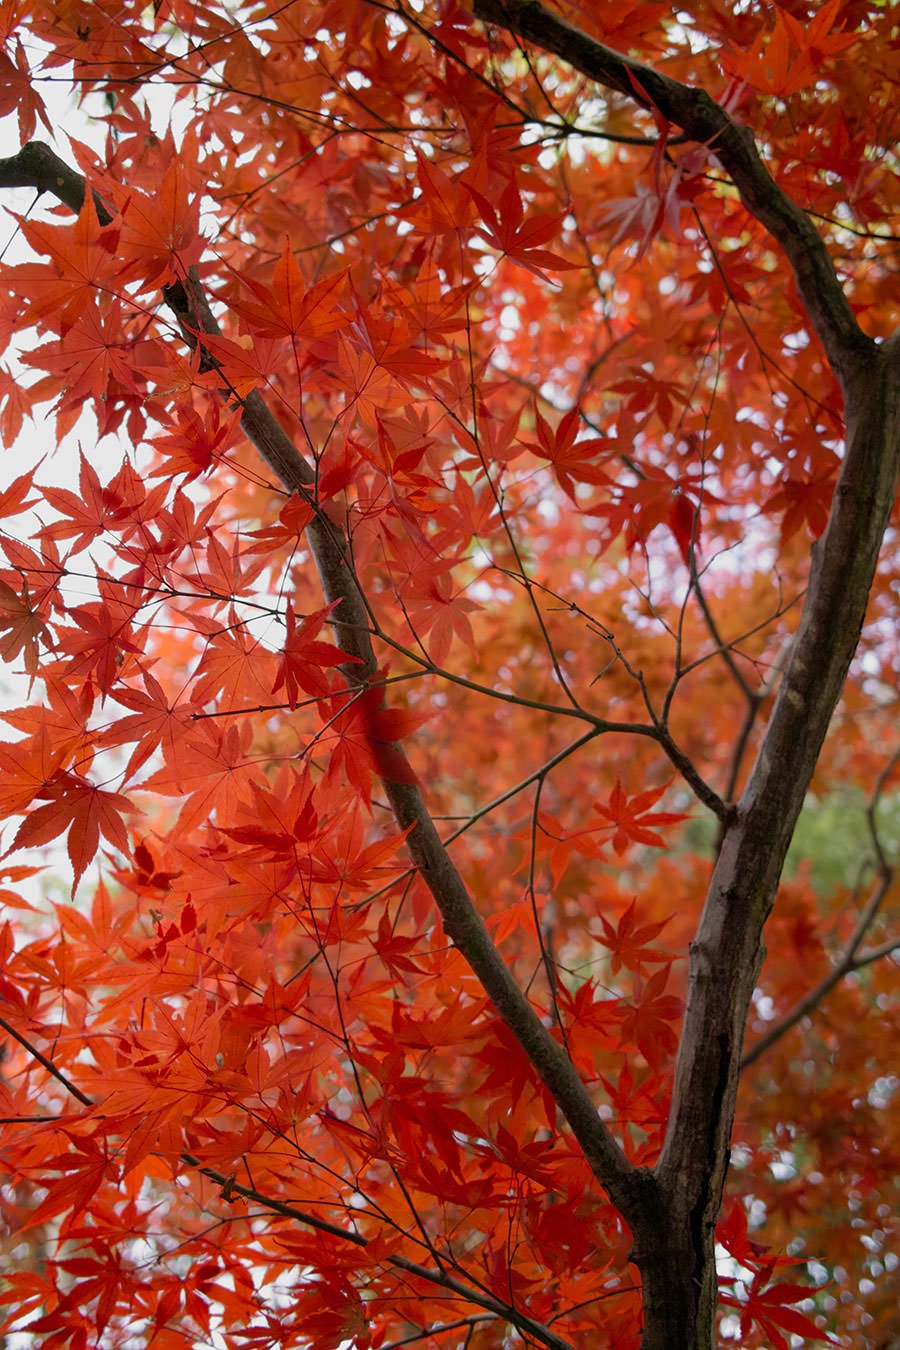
851	958
438	1330
47	1063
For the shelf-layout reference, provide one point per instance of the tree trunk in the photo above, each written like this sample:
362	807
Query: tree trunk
675	1250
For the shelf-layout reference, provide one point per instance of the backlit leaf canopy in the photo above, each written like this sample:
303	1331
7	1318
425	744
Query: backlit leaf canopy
458	407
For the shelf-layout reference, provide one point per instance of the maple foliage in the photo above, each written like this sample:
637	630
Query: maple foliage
485	507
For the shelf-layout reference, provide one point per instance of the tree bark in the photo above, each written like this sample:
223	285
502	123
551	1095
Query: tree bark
675	1240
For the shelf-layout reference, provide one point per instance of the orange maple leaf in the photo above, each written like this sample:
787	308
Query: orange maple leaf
93	357
242	363
160	232
195	443
304	655
81	263
83	810
791	56
290	308
444	205
18	93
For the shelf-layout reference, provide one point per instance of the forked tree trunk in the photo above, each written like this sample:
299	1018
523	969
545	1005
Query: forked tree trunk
671	1210
675	1248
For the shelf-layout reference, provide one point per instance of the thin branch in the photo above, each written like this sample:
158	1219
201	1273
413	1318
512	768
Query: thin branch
765	358
695	781
723	648
47	1063
877	793
754	697
27	1120
522	575
876	953
231	1187
538	776
485	810
847	963
657	728
851	959
545	945
860	233
727	952
438	1330
600	724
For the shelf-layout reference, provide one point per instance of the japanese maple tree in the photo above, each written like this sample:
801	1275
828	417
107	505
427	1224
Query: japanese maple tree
481	548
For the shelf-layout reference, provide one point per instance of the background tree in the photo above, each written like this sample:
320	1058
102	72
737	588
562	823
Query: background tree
556	360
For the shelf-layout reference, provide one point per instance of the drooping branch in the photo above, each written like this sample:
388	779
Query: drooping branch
231	1187
631	1189
441	1278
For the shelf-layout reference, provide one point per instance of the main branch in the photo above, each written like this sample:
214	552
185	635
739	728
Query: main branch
630	1189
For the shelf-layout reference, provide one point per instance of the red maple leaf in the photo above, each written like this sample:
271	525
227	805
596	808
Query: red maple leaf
802	501
81	1170
25	628
18	92
304	655
290	307
628	941
444	205
14	499
656	499
367	739
506	229
242	363
630	818
195	443
647	1021
791	56
155	723
82	261
87	513
95	358
98	646
160	231
769	1307
571	459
